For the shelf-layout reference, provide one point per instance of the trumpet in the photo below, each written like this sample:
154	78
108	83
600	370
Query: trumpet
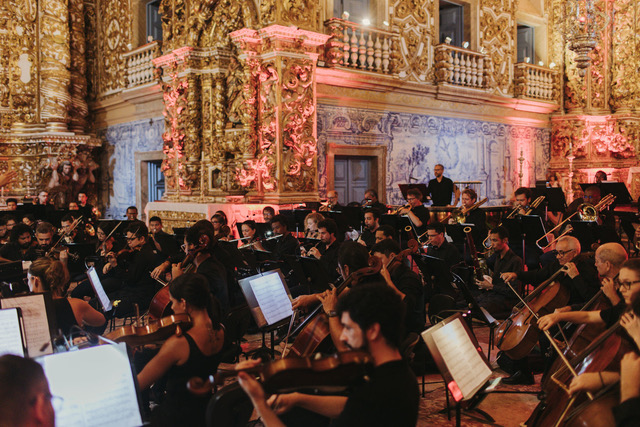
586	212
459	215
399	208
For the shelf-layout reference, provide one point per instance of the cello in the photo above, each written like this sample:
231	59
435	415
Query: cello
519	333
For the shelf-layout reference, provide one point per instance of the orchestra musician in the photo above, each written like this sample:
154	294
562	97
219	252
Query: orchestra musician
165	243
19	246
415	210
12	204
477	216
129	270
194	353
532	254
73	206
440	248
311	222
498	299
405	282
25	398
629	287
248	229
371	319
286	244
332	203
385	231
49	275
442	188
268	213
600	176
4	233
327	250
199	243
580	278
132	213
371	225
371	201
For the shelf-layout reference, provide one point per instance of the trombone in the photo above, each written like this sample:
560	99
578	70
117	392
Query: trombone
458	215
514	212
399	208
586	212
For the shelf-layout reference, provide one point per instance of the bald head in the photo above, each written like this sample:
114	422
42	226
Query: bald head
609	259
567	248
571	243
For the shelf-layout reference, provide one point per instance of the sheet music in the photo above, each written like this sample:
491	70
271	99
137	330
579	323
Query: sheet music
272	297
97	387
36	323
463	361
10	335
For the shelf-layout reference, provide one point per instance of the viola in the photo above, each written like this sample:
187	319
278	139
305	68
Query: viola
519	333
293	373
152	332
396	260
315	332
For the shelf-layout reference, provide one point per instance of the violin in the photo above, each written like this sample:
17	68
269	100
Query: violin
153	332
519	333
397	259
293	373
315	330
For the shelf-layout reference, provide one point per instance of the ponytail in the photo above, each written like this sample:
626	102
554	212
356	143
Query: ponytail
51	273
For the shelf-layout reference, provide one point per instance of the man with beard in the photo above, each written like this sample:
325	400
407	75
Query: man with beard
371	317
18	248
327	250
371	225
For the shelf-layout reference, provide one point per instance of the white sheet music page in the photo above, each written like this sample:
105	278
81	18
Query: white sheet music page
36	323
10	336
96	385
272	297
463	361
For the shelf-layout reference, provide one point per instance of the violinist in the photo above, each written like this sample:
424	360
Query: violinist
48	275
327	250
371	225
609	316
128	271
371	318
311	225
194	353
404	282
581	276
19	246
219	221
198	245
417	213
72	235
498	298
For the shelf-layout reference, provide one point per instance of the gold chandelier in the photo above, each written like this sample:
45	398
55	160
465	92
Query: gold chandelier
583	22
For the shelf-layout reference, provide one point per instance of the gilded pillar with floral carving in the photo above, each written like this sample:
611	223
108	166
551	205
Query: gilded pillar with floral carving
78	87
285	165
55	60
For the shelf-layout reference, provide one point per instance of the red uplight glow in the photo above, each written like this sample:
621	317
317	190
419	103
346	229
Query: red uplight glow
455	391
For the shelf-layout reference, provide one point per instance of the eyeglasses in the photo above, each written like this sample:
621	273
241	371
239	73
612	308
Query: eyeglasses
627	285
130	239
563	253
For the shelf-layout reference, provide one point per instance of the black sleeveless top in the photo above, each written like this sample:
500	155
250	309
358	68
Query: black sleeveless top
181	407
65	318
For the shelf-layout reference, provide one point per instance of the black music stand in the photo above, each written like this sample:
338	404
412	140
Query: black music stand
435	272
525	230
456	232
290	216
555	199
422	187
315	271
462	364
12	275
340	218
618	189
586	232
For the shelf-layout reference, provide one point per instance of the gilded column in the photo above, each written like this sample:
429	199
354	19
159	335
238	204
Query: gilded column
78	89
55	60
283	63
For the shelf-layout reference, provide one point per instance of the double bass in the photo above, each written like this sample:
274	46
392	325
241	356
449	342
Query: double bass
517	335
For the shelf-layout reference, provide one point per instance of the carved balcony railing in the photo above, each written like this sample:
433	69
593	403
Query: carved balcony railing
461	67
140	69
533	81
358	46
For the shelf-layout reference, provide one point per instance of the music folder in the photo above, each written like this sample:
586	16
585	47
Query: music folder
12	336
422	187
458	356
39	320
